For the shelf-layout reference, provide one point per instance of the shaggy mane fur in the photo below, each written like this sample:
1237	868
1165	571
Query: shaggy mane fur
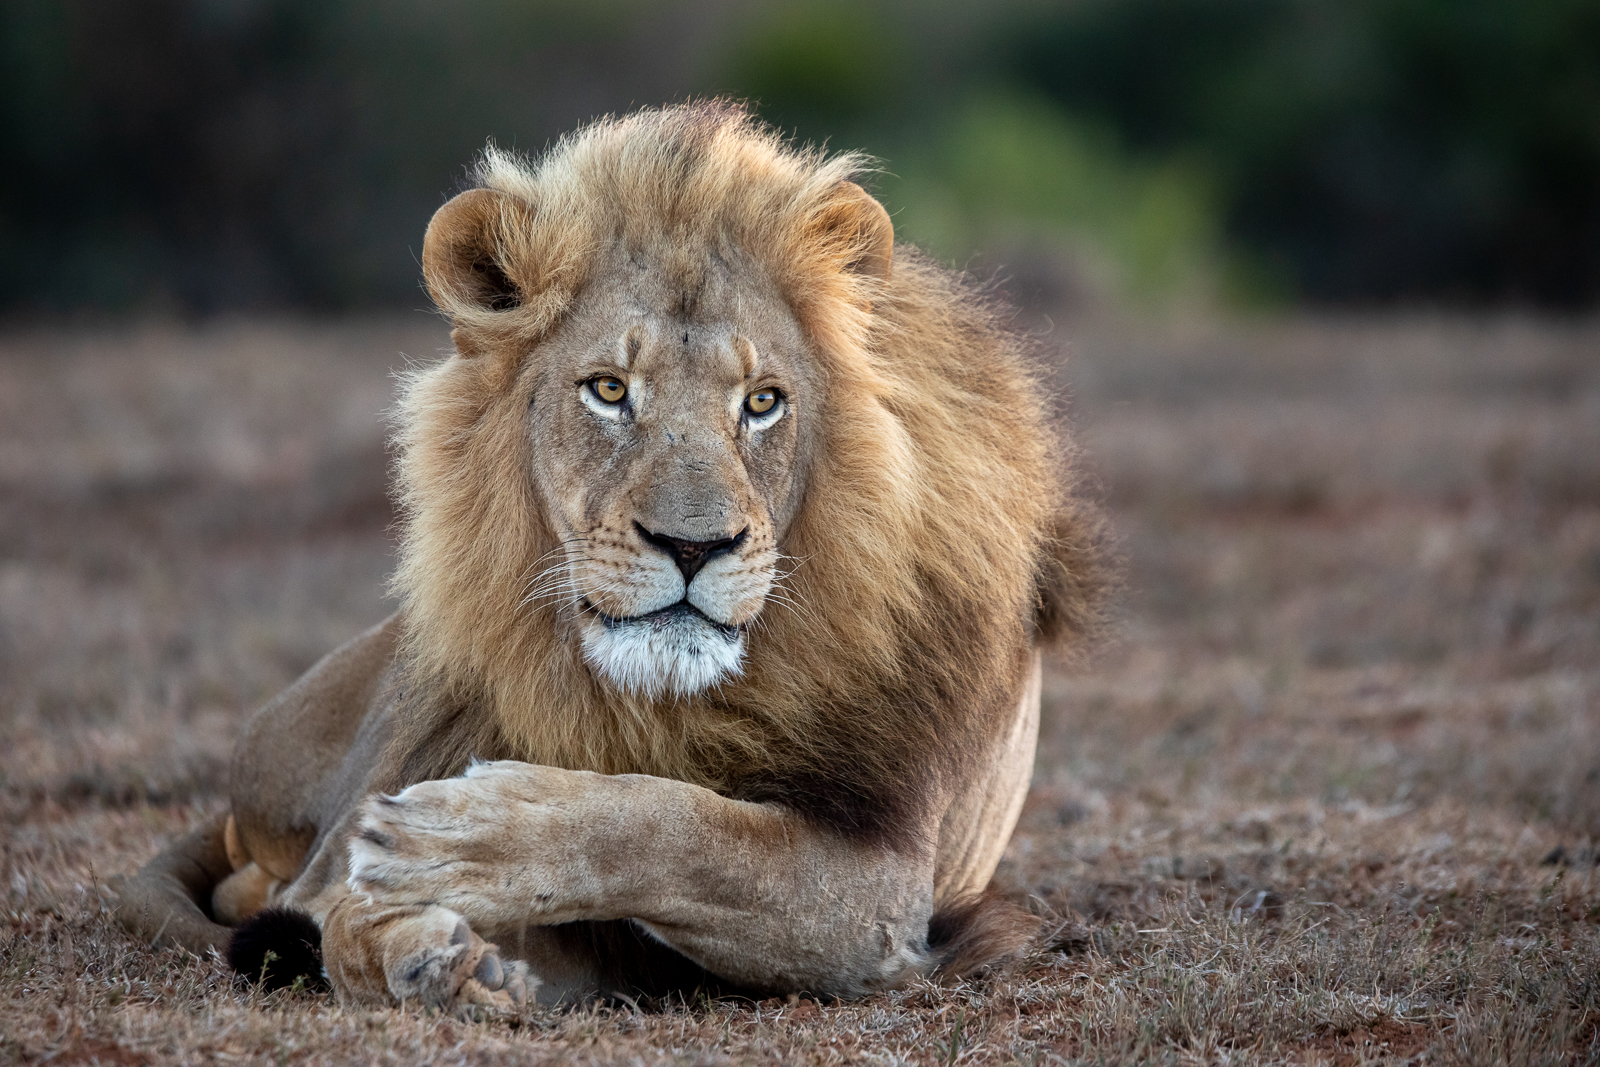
936	543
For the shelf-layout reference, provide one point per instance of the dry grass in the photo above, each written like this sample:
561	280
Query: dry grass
1297	813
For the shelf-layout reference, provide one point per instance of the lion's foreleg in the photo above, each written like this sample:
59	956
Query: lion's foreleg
752	892
423	954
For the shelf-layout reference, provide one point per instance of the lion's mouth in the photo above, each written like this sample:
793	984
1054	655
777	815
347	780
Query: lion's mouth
677	649
663	618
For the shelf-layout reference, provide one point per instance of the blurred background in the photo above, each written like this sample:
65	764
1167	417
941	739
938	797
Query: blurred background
194	156
1317	280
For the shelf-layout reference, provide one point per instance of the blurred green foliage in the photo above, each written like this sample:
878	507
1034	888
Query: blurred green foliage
204	155
1019	174
201	155
1373	149
822	66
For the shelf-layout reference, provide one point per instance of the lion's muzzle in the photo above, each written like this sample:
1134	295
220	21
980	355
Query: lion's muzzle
676	649
690	556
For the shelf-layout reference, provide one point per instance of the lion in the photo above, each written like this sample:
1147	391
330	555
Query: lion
732	535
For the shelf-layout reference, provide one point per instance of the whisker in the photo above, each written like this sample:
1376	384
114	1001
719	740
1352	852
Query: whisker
561	547
555	580
792	601
798	561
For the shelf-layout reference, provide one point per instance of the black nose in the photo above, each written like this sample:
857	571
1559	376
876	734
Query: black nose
690	556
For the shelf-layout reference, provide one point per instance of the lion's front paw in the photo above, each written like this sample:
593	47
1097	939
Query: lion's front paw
443	964
505	844
420	847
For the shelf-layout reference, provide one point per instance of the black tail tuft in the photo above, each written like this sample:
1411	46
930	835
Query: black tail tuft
275	946
971	935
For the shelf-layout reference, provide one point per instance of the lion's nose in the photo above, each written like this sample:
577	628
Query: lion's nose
690	556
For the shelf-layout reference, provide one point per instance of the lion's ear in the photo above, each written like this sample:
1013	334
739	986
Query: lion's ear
464	253
854	217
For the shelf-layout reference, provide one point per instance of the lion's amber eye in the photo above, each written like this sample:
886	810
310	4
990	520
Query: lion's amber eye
609	389
761	401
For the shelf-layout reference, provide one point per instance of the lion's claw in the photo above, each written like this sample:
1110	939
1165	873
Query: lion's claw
460	973
489	973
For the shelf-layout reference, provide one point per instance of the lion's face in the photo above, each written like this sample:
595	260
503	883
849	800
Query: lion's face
667	421
645	368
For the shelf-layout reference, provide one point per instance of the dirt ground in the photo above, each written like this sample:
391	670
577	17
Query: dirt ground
1332	795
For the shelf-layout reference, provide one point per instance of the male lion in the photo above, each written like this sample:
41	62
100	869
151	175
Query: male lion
732	535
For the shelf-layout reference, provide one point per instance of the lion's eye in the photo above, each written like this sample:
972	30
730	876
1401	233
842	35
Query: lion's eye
761	401
609	389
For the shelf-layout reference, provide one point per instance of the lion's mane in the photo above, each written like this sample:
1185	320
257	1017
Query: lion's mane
937	540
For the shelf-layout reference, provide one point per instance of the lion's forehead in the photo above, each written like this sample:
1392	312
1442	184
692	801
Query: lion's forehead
688	371
709	294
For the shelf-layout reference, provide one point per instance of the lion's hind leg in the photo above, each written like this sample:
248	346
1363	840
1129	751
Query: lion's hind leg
970	935
243	893
161	904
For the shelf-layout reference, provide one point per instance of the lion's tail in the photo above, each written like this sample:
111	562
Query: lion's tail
164	904
974	933
167	904
278	947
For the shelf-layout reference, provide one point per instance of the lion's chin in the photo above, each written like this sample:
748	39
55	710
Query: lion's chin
675	650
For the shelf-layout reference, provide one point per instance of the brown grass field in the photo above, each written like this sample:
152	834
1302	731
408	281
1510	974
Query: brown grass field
1331	795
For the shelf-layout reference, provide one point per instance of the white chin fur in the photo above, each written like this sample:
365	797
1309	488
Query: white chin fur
680	655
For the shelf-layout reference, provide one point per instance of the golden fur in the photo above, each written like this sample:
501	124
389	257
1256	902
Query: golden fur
889	689
939	499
